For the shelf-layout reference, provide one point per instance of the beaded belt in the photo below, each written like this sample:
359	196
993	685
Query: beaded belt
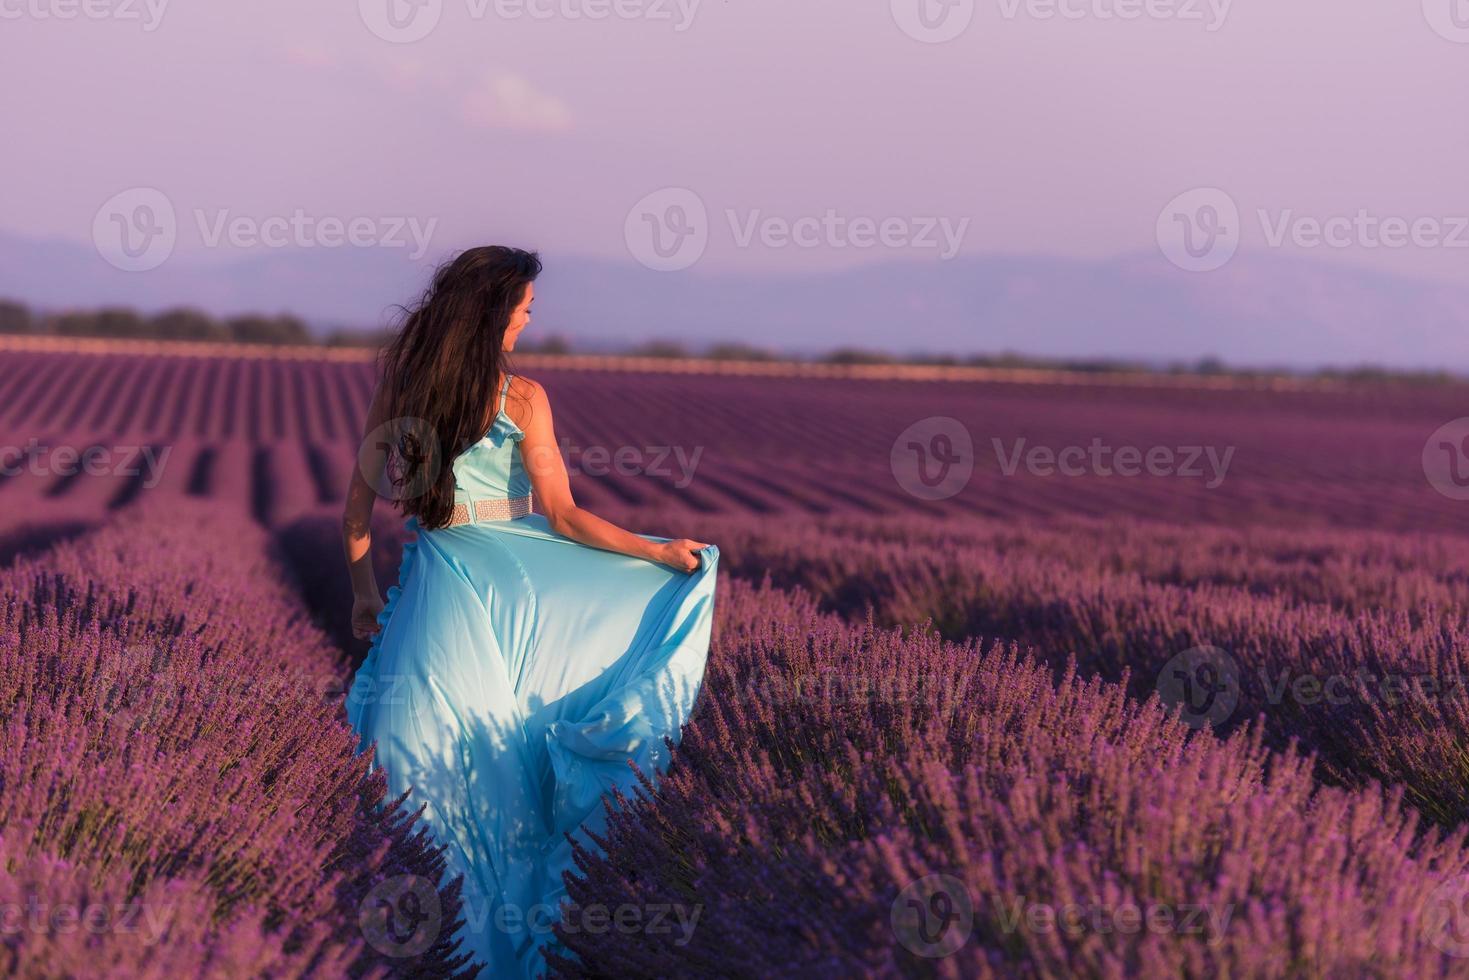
504	509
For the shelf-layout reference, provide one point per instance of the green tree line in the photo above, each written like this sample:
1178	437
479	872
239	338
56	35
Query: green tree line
185	323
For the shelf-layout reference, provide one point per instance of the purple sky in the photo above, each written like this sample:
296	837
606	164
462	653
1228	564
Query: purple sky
1064	135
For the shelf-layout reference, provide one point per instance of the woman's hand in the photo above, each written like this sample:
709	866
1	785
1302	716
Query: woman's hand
681	554
365	610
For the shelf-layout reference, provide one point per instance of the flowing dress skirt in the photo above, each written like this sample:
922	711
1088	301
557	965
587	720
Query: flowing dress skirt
514	675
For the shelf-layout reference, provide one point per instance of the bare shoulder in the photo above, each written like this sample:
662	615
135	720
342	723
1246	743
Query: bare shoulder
525	395
524	386
526	390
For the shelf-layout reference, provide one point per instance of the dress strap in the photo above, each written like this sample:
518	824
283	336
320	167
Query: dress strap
504	390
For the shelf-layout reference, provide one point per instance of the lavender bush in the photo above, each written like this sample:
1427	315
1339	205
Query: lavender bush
1101	600
841	779
170	737
275	439
938	738
1354	644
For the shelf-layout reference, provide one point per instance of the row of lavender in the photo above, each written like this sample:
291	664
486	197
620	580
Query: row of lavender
849	799
278	438
860	802
857	798
178	793
1352	645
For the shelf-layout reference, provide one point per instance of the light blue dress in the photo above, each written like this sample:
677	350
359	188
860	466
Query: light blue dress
514	675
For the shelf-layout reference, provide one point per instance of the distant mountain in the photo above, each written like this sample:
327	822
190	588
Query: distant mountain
1258	310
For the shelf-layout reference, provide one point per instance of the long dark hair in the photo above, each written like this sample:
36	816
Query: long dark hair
443	370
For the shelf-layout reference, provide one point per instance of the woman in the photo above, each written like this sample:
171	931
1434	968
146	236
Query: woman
526	655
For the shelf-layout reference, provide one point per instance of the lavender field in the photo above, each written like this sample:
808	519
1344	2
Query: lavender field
1071	677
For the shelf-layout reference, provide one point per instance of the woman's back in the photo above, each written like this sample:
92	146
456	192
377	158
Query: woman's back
491	469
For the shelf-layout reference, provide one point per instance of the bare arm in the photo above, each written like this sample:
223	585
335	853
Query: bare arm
552	487
357	534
